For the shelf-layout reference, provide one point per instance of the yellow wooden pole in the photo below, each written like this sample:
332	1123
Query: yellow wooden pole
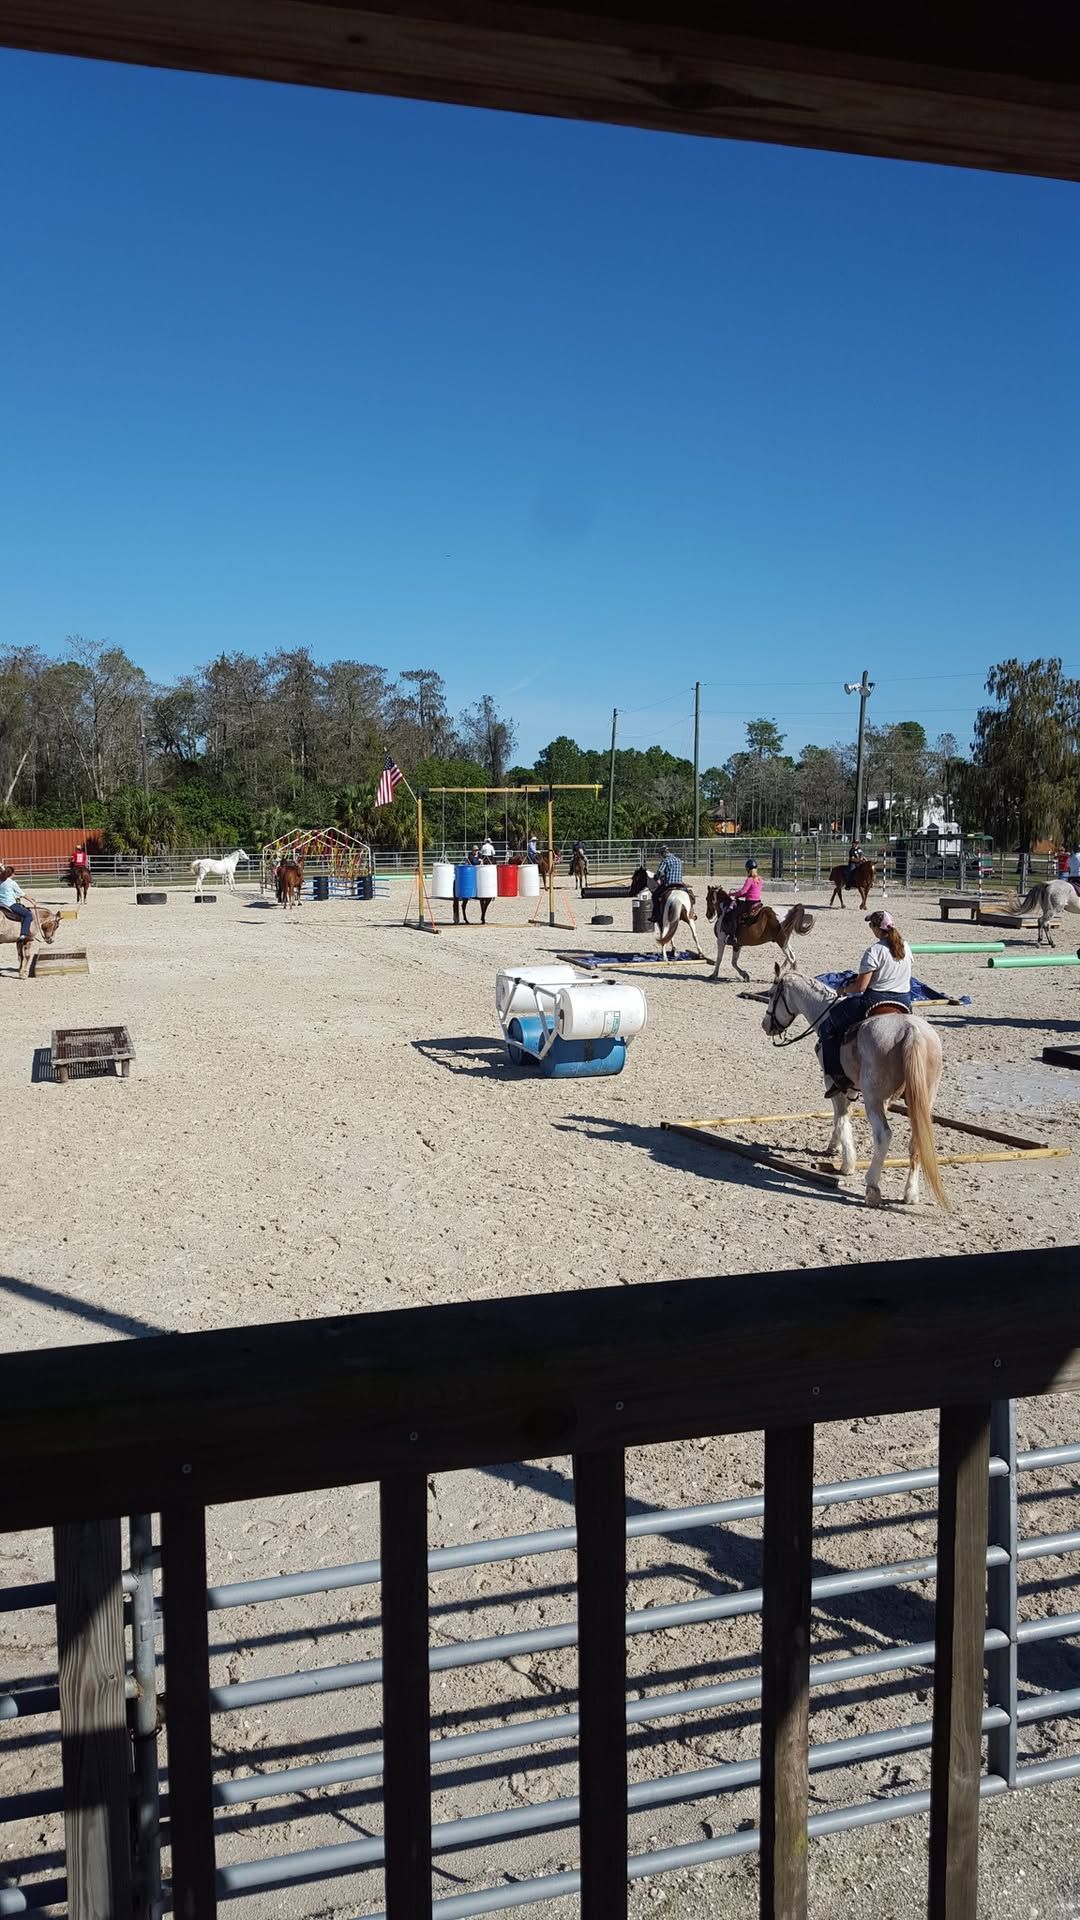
551	858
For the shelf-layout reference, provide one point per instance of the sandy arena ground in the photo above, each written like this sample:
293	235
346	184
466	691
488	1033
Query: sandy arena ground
320	1121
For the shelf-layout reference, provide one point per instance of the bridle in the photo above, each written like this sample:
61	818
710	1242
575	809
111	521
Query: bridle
779	1035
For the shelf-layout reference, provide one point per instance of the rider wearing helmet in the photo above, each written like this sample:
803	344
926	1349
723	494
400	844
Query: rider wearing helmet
746	899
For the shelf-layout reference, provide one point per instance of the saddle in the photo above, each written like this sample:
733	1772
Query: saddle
882	1006
661	894
740	914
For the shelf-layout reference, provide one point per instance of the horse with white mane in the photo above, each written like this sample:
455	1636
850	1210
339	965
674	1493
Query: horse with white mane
218	869
885	1055
1054	896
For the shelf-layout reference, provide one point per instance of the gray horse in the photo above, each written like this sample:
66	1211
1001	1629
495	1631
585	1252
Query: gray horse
1053	896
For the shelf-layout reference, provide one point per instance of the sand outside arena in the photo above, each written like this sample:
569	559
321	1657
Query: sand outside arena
320	1121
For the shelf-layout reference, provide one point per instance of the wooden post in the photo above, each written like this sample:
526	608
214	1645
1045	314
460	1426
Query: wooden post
956	1756
94	1742
551	858
187	1711
785	1670
406	1696
600	1503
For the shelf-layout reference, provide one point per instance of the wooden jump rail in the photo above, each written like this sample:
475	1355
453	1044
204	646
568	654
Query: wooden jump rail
174	1424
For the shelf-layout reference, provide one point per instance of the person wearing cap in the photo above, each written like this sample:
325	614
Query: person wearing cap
668	874
475	859
487	852
14	903
854	859
883	979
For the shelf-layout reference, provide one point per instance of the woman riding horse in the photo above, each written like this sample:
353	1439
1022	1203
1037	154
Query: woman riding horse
883	980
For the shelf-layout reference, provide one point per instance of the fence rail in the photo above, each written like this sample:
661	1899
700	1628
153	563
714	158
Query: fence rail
171	1425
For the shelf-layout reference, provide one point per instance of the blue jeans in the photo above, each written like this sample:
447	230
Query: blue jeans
24	914
846	1014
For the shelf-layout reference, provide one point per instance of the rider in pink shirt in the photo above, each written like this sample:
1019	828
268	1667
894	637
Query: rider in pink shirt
751	886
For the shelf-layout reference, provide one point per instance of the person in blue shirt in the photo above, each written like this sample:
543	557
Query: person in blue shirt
668	874
14	903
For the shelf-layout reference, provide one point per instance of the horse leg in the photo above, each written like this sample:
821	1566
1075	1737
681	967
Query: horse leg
911	1185
736	949
693	935
841	1140
721	943
882	1135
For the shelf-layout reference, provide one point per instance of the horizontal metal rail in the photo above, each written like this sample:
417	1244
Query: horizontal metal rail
565	1726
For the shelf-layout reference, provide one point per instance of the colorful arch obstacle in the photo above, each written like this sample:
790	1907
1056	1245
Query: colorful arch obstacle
564	1026
337	866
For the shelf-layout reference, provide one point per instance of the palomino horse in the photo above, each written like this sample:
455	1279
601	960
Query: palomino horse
861	879
1054	896
579	869
79	878
765	926
887	1054
218	870
290	882
45	923
679	910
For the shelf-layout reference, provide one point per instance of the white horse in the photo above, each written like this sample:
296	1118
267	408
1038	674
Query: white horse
885	1055
679	909
1054	896
218	870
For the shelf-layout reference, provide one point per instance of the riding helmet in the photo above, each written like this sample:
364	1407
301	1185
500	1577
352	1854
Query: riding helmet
751	866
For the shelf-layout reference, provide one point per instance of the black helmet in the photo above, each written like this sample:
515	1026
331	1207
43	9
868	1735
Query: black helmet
750	865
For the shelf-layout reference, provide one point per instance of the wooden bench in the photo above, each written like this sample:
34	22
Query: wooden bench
91	1047
968	903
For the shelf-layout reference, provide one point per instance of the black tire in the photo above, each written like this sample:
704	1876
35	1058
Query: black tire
204	899
603	919
151	899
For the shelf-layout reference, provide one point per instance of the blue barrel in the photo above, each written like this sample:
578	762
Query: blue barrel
465	882
578	1059
320	886
524	1038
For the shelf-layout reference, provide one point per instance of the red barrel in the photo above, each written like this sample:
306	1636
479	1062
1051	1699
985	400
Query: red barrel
507	882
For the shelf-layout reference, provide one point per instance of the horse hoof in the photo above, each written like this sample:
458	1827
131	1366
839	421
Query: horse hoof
873	1197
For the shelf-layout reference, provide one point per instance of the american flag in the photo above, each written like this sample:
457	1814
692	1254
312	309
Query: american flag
391	774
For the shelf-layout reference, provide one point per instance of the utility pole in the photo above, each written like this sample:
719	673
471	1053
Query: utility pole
145	768
697	780
864	688
611	783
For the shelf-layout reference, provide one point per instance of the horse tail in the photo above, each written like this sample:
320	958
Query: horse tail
798	920
195	865
1033	900
920	1117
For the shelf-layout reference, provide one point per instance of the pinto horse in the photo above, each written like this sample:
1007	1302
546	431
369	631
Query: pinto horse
679	909
861	879
758	932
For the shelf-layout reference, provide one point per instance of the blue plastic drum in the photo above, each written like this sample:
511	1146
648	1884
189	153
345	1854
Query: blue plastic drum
524	1038
465	882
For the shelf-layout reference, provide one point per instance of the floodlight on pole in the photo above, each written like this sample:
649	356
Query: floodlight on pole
864	688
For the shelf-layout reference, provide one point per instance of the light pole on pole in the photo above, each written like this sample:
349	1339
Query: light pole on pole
864	688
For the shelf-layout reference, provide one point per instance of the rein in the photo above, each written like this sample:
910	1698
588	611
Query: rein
780	1039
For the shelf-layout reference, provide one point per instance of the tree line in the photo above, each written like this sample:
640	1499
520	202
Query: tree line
247	748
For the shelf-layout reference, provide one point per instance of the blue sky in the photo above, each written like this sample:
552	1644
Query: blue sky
576	415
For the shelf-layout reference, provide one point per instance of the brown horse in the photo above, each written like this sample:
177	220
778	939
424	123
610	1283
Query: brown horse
79	878
861	880
290	880
45	923
579	869
764	928
546	863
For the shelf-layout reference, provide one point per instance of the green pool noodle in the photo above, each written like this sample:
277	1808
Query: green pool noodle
1037	960
957	946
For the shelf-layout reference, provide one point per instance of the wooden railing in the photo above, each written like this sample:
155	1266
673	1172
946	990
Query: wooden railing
172	1425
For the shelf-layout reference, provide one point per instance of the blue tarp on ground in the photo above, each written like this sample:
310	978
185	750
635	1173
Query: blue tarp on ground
621	959
919	989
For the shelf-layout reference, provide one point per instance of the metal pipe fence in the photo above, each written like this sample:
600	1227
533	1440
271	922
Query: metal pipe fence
1006	1710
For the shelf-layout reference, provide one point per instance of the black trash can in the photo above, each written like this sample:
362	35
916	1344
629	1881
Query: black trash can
320	886
642	916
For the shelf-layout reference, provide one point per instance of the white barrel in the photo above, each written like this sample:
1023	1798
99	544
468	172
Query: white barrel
487	883
528	883
599	1010
511	996
442	880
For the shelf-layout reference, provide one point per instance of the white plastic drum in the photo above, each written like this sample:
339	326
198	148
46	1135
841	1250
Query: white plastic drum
513	997
442	880
528	883
487	883
600	1010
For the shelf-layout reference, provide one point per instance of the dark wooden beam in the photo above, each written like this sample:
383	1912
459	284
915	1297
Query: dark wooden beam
94	1743
917	82
600	1516
785	1671
956	1757
252	1411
